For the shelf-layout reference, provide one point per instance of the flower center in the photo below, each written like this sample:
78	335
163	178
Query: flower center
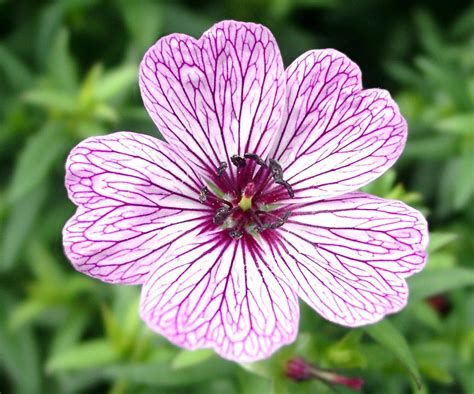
247	203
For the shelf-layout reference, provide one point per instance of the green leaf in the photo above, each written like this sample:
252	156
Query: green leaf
387	335
36	160
465	179
432	147
113	330
162	375
13	70
26	312
61	66
115	82
50	20
52	100
19	223
439	239
462	124
431	282
44	263
435	358
382	186
187	358
90	354
143	19
18	353
70	331
345	353
429	33
426	315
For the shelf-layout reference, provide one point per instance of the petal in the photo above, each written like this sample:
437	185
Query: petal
347	257
217	96
136	197
214	292
335	137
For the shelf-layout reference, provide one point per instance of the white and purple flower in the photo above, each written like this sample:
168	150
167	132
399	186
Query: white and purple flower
251	202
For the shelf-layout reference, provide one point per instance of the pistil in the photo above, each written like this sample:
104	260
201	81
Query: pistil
245	202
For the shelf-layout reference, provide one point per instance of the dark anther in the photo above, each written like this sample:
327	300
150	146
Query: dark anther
225	202
286	216
238	161
287	186
236	234
203	194
222	167
256	158
281	221
221	215
275	168
263	227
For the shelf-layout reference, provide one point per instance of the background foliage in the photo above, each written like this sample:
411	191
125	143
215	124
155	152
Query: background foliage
68	70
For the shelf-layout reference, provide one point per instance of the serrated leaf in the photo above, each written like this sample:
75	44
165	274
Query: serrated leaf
387	335
432	282
37	159
90	354
186	358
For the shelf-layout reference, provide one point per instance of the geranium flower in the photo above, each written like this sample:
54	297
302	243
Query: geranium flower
251	202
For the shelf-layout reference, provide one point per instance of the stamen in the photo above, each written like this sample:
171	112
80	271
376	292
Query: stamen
256	158
275	168
238	161
281	221
222	167
277	173
259	225
287	186
235	233
203	194
222	213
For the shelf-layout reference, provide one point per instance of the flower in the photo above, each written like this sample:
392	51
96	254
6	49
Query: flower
298	369
251	202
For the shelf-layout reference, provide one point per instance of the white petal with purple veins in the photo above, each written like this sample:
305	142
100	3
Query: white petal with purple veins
335	137
217	96
218	293
136	197
347	257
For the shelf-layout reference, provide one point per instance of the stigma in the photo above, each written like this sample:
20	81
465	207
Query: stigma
245	202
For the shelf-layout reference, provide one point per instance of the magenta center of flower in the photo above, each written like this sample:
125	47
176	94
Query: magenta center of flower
247	202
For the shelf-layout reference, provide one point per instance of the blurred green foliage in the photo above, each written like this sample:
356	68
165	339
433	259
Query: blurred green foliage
68	70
